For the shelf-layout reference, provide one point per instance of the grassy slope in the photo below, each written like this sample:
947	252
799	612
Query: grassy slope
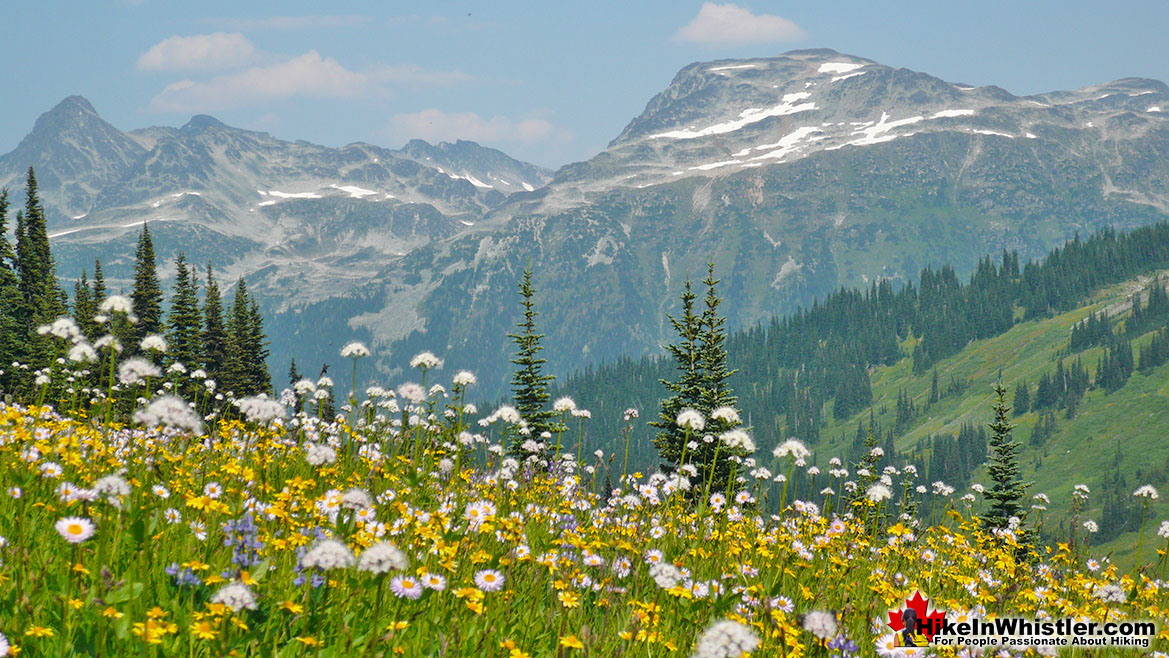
1137	416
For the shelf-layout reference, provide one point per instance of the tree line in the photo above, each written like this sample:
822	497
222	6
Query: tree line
223	338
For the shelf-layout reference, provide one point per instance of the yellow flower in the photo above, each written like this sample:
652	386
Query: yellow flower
156	613
203	630
397	626
294	608
76	604
39	631
112	613
569	599
310	641
572	642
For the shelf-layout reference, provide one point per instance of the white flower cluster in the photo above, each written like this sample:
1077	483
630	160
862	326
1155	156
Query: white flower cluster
726	639
327	554
382	557
168	411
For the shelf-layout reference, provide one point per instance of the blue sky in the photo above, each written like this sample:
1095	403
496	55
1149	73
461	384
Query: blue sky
549	82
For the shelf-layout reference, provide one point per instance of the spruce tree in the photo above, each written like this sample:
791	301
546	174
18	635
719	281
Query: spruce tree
259	379
147	293
686	390
12	328
184	324
714	390
42	298
84	308
214	332
99	284
236	376
1007	491
529	384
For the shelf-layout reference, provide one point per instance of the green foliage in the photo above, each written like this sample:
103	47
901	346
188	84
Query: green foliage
686	389
184	322
214	331
42	299
13	330
1007	489
147	292
246	367
529	384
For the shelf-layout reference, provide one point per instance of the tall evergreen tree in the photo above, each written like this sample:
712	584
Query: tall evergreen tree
712	352
214	332
42	298
259	379
12	328
686	390
529	384
184	324
147	293
84	309
99	284
1007	491
236	377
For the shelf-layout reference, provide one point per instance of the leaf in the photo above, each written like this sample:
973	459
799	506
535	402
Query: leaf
127	592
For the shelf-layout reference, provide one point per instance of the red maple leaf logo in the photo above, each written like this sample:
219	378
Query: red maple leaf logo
931	622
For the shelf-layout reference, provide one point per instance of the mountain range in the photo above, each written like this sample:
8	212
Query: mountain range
795	174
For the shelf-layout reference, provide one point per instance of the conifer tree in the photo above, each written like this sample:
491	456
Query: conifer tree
1007	491
99	284
214	332
184	324
42	298
236	377
712	353
529	384
686	390
12	329
147	293
259	379
83	307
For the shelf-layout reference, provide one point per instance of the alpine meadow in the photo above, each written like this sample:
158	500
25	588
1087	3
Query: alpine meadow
817	357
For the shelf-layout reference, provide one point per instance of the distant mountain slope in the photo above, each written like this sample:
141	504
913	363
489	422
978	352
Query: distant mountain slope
795	174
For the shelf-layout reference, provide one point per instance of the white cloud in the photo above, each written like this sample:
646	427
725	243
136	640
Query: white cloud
201	52
435	125
730	24
291	22
309	75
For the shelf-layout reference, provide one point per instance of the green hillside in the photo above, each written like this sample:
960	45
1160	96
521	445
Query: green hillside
1125	432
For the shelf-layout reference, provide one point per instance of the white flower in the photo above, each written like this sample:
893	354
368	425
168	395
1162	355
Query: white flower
878	492
726	414
260	409
564	405
425	360
793	448
690	418
63	328
82	353
133	371
304	387
168	411
236	596
464	378
317	454
1091	526
821	624
1110	593
382	558
327	554
75	529
1163	532
111	485
412	392
153	342
738	440
507	414
116	304
666	575
726	639
355	499
354	350
1147	491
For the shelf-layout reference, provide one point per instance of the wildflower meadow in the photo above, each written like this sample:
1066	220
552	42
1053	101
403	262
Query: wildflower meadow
137	523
